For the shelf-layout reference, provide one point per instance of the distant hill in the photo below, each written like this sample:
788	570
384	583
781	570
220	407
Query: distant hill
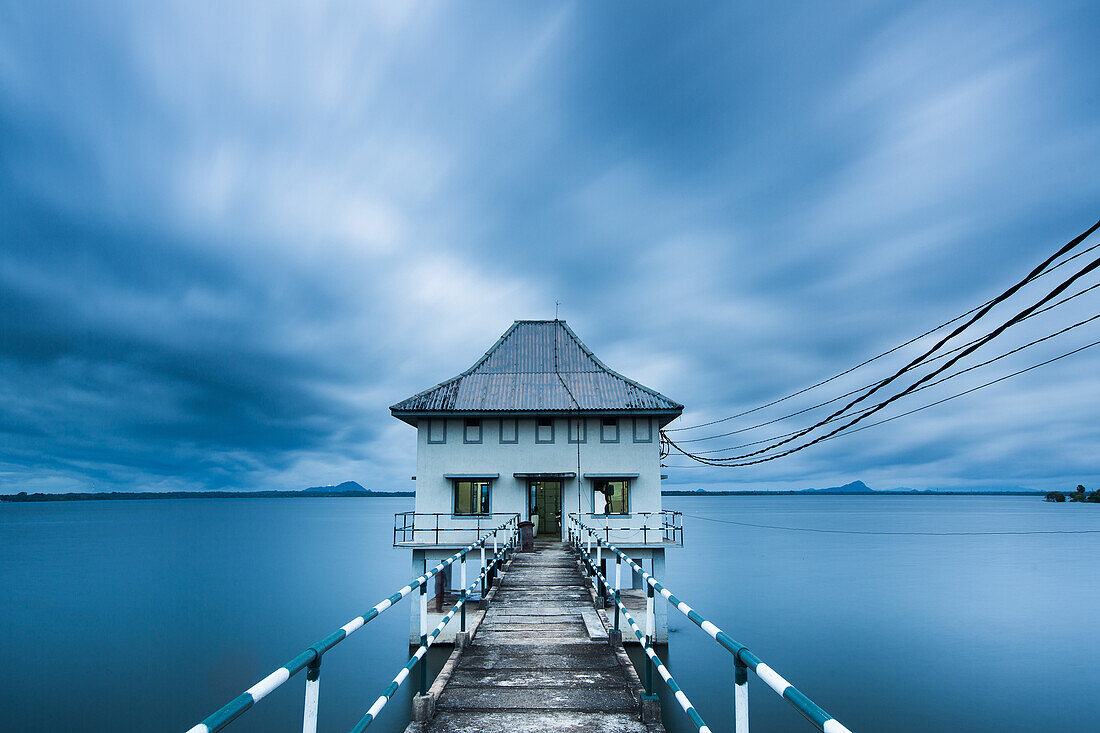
855	487
345	488
860	488
350	489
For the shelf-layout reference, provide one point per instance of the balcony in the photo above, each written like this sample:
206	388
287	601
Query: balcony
639	529
440	529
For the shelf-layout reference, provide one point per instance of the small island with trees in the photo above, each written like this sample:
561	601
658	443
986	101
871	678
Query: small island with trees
1079	494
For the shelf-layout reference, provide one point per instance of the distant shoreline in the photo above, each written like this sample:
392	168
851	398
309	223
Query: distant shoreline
368	494
812	492
125	495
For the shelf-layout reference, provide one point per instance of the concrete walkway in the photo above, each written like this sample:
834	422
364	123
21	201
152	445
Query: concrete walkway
540	660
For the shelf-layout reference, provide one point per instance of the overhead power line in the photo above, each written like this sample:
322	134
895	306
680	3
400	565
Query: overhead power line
951	362
1039	271
704	462
867	386
932	384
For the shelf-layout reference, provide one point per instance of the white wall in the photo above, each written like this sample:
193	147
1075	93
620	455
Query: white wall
508	494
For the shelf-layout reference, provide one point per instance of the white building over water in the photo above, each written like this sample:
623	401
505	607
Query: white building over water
539	427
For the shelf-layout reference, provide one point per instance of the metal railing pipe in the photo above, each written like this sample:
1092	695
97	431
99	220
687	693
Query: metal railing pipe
654	662
417	658
313	691
810	710
238	705
740	696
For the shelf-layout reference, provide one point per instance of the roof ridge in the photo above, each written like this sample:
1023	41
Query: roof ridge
588	383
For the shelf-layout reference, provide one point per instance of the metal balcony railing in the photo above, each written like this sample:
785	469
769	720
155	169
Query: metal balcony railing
433	528
665	527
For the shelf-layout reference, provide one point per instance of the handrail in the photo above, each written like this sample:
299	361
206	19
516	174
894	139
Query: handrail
407	525
647	647
311	657
743	657
670	529
426	642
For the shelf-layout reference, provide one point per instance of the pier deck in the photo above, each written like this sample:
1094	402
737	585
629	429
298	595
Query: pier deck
539	660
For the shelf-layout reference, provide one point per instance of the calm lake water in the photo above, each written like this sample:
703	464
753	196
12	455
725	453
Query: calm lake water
148	615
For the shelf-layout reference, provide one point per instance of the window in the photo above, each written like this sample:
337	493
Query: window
609	430
578	430
614	495
472	432
471	497
544	430
509	430
437	430
643	430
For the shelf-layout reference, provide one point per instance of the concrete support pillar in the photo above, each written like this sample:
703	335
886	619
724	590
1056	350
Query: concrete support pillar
423	708
660	609
419	566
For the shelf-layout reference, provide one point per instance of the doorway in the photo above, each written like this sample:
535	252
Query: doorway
544	508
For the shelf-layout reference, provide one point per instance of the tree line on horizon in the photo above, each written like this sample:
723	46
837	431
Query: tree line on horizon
1079	494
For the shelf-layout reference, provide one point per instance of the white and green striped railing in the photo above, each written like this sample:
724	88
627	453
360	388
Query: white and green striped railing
652	660
504	539
584	538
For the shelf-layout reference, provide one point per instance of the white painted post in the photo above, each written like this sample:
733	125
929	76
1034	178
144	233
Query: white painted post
463	591
649	617
618	586
740	697
424	637
599	558
484	572
313	692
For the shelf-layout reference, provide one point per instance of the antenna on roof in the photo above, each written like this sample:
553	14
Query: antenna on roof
556	304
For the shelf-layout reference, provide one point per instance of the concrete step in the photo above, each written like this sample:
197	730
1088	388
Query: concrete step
523	722
586	698
525	637
523	661
604	678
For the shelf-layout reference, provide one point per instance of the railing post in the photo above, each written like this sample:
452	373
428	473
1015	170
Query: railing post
313	691
484	572
618	585
601	586
740	696
463	571
648	638
424	637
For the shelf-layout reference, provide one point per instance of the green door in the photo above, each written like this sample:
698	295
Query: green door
545	504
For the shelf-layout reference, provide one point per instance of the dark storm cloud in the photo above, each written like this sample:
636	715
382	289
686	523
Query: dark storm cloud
231	237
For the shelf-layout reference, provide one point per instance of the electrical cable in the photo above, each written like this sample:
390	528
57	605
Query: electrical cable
710	463
851	392
1038	272
951	362
930	384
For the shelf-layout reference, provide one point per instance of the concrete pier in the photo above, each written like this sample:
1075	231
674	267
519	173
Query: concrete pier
538	660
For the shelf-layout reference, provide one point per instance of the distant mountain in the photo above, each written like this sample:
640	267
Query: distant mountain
344	488
856	487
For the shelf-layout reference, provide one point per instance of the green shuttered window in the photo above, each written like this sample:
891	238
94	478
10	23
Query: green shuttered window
471	497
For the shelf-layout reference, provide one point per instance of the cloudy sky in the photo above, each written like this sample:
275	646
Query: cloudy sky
232	234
